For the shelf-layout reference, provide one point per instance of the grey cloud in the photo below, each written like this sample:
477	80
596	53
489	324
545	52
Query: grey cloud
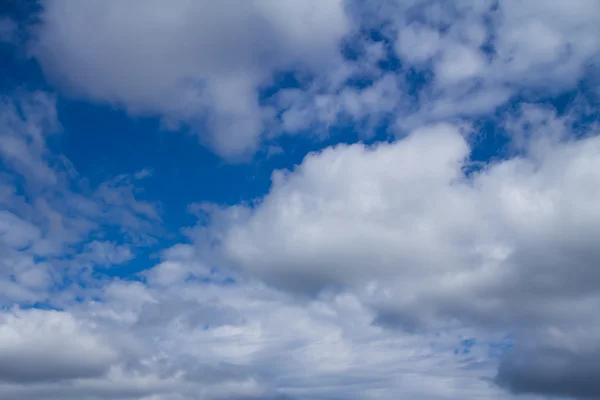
26	370
192	314
551	372
47	346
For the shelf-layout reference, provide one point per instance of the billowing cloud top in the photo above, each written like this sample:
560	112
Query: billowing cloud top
382	200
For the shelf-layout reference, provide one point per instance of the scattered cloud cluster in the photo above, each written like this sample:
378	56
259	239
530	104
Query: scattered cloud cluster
54	227
202	62
208	67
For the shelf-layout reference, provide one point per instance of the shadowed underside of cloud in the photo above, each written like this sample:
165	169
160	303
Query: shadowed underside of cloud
40	346
553	372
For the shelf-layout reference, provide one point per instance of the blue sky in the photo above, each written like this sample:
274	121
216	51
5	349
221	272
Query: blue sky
299	200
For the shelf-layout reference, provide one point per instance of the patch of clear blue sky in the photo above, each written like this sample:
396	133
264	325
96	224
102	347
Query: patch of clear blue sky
102	141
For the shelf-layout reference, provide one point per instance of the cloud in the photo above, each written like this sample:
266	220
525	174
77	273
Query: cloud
429	61
563	364
40	346
190	340
509	247
15	232
106	253
49	212
441	61
199	63
23	137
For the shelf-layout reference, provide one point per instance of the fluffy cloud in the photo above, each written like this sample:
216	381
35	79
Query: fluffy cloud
511	246
203	66
388	236
444	61
202	62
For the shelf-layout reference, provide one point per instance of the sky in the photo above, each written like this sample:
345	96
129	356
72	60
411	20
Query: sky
299	200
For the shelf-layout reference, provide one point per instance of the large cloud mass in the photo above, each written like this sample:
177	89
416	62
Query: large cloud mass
510	246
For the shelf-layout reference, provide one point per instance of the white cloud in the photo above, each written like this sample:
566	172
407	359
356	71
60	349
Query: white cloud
511	247
493	51
181	65
106	253
456	60
352	214
416	43
459	63
198	63
23	138
15	232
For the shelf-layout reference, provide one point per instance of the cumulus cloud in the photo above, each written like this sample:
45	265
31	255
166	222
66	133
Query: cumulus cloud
511	246
453	60
204	67
202	62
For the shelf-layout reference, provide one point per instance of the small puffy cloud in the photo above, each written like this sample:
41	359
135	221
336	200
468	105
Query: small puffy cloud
106	253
